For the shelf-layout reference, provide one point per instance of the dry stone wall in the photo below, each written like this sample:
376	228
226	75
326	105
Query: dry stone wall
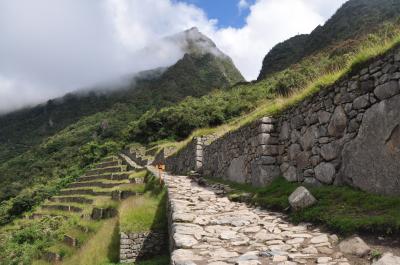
248	155
347	133
137	246
189	158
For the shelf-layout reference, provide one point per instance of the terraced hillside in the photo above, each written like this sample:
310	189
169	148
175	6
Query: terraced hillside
90	195
67	222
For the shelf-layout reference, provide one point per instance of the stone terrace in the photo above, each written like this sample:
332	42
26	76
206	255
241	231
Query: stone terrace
208	229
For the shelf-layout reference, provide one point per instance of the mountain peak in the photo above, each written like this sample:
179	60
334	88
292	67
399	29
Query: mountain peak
192	41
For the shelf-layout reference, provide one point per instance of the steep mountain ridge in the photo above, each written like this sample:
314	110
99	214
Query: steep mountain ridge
202	68
354	19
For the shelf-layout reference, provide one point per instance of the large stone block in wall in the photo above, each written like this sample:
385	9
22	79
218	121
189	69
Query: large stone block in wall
371	161
262	175
237	170
338	123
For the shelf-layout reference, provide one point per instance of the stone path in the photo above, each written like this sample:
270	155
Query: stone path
211	230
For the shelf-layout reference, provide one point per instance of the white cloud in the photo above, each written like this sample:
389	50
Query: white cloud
243	4
51	47
269	22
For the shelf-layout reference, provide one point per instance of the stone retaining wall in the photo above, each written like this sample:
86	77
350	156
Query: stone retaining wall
136	246
131	153
347	133
187	159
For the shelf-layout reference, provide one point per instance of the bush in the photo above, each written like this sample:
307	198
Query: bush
93	151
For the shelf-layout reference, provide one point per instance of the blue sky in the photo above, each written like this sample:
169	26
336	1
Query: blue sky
227	12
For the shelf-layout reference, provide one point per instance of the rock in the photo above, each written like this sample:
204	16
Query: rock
252	255
307	140
184	257
354	246
184	241
266	138
285	131
312	182
297	122
294	151
290	174
310	250
334	238
325	250
279	258
308	173
263	236
323	116
387	90
287	263
388	259
371	161
237	169
338	122
367	85
225	235
319	239
324	260
330	151
267	120
301	198
223	254
303	160
325	172
361	102
183	217
248	262
262	175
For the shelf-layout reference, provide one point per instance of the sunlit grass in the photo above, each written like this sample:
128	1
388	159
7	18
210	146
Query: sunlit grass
97	250
143	213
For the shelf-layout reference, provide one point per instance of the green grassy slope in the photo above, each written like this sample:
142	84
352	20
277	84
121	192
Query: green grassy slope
354	19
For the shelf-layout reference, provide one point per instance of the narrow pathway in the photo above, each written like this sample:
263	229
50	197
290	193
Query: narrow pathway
211	230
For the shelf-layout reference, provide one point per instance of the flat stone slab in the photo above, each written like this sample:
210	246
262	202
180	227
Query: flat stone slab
209	229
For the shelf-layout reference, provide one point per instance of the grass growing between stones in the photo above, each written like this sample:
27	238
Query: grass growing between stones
342	209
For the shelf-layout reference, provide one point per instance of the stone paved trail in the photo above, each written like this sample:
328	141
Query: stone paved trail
211	230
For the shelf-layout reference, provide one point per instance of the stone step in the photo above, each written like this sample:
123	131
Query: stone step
52	257
36	216
98	171
111	176
103	213
62	207
108	164
84	192
95	184
70	241
74	199
109	159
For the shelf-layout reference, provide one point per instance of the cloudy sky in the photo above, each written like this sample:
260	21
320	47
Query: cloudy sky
50	47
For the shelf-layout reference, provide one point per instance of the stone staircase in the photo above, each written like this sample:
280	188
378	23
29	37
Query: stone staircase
92	196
